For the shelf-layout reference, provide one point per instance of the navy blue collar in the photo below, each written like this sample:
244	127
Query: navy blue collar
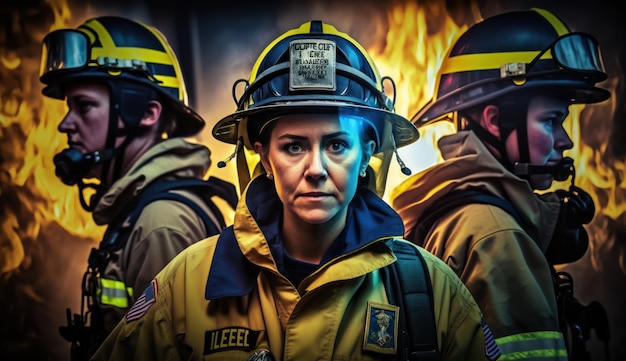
231	274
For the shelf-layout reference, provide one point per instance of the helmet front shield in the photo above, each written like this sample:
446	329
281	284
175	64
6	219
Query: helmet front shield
579	52
63	50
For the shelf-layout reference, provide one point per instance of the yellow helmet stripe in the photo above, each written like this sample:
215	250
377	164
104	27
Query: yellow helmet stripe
103	34
168	81
473	62
255	68
165	56
557	24
182	88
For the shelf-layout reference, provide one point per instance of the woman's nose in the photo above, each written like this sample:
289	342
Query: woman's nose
66	124
562	140
316	168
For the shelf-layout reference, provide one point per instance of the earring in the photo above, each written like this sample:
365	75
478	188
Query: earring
269	176
363	173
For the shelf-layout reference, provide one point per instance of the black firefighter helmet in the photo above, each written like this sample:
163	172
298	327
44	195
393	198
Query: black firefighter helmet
519	51
316	69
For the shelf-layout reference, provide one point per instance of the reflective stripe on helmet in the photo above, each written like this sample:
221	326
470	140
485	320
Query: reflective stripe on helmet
170	76
560	28
472	62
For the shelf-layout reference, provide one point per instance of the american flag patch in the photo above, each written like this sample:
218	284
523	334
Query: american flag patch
143	303
492	351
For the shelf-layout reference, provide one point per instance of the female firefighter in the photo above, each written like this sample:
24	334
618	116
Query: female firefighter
304	272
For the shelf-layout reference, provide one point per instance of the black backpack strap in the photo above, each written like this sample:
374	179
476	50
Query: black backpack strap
161	191
450	202
408	286
224	190
210	225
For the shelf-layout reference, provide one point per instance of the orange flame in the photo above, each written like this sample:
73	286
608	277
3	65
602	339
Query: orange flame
411	54
29	139
600	174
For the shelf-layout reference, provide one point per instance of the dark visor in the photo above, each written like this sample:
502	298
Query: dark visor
578	52
64	49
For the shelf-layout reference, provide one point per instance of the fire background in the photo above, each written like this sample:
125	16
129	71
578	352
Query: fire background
45	236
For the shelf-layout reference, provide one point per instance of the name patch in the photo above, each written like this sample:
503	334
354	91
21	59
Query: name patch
230	338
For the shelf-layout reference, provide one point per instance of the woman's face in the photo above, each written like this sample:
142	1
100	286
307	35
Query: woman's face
547	139
87	120
316	161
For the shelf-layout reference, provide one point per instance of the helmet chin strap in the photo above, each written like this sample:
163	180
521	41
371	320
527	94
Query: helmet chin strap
131	116
560	171
513	113
512	116
517	110
107	156
488	138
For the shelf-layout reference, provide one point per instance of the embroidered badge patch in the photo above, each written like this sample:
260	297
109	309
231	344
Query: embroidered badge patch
143	303
381	328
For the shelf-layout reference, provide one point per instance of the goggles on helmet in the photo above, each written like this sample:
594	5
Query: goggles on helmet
70	50
576	52
64	49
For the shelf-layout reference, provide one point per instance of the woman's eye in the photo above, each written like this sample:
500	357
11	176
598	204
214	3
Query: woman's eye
293	147
548	121
84	107
337	146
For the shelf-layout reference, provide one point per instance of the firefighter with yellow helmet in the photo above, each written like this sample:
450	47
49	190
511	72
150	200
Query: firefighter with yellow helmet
306	272
126	119
507	84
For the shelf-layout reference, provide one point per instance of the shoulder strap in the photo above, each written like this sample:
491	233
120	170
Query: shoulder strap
451	201
204	188
164	194
161	190
408	286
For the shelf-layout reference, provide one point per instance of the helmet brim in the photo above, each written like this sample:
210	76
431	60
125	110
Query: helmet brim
403	132
576	91
188	122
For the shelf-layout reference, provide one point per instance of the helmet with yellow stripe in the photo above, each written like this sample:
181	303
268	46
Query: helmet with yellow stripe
133	58
513	53
315	68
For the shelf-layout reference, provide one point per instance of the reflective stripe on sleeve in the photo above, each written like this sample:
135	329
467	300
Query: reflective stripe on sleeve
542	345
113	293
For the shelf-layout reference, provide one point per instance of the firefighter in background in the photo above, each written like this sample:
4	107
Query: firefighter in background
125	125
507	84
301	275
